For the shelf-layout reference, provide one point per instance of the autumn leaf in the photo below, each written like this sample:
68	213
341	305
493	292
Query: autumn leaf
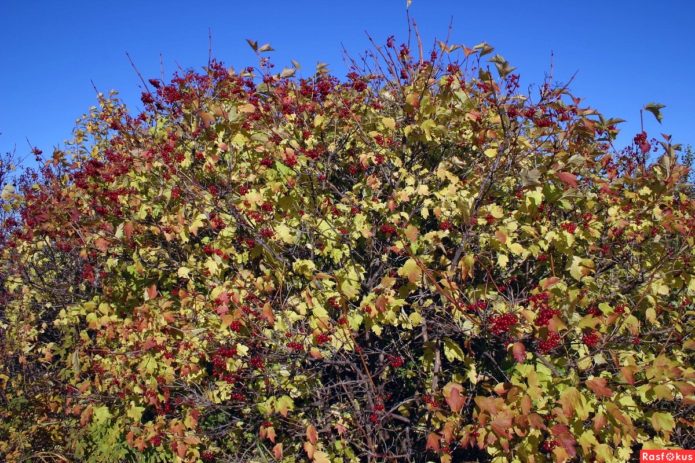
453	394
277	451
519	352
569	179
411	270
311	434
599	387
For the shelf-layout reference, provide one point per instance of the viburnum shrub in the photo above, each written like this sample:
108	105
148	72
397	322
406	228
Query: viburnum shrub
418	262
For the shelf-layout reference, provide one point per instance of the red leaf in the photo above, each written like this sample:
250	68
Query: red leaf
570	180
519	352
152	291
128	230
502	424
564	437
312	434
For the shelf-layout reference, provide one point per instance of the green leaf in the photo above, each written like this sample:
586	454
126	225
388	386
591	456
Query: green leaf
655	109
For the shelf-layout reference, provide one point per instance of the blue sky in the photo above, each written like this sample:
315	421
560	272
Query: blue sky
625	53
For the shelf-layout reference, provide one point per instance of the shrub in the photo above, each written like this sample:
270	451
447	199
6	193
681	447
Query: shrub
417	262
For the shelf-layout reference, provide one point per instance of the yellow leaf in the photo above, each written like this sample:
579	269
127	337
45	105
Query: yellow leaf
411	270
453	351
427	127
466	266
490	152
239	140
197	223
284	405
321	457
580	268
415	318
388	122
285	233
516	249
247	108
663	421
304	267
411	232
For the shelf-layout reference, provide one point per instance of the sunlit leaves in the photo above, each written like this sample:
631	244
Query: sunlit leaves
425	263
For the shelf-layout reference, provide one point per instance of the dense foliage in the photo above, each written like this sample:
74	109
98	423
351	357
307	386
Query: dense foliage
416	263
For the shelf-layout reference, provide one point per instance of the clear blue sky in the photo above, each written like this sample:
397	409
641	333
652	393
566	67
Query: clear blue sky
627	52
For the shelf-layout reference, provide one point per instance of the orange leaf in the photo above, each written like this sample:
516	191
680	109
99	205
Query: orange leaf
206	118
152	291
432	442
86	415
277	451
181	449
628	372
312	434
598	385
502	424
453	393
309	449
101	244
267	314
549	282
448	432
270	434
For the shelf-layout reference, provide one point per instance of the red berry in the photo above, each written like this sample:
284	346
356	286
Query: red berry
591	339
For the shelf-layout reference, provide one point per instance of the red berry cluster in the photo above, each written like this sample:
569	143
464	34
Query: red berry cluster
396	361
503	323
591	338
551	342
545	313
156	441
430	400
207	456
569	227
548	445
388	229
641	141
594	311
477	306
322	338
257	362
445	225
293	345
